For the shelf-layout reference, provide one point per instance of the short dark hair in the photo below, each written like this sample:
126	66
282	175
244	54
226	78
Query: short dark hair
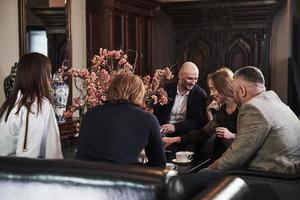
250	74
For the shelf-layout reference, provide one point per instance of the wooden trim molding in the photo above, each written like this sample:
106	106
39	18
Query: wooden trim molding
231	13
54	18
22	26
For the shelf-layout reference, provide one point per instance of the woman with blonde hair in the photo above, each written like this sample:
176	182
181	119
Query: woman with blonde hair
214	105
27	120
119	130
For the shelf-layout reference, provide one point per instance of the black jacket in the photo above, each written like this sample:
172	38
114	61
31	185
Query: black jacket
196	116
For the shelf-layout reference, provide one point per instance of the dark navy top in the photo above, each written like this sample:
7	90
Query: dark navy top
117	132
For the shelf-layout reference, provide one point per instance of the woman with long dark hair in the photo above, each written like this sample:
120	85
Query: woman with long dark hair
27	120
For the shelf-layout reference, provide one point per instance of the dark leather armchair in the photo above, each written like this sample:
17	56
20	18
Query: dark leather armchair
249	185
23	178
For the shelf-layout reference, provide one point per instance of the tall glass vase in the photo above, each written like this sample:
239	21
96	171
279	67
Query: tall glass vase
60	98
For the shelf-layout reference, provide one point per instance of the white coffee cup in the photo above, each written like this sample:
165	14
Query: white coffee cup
184	156
171	166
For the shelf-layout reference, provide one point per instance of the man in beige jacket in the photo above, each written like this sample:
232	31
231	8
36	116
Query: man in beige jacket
268	132
267	138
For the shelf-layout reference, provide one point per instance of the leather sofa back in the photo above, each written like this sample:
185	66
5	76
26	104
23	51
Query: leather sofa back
23	178
249	185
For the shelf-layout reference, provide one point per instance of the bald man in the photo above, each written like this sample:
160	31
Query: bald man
186	109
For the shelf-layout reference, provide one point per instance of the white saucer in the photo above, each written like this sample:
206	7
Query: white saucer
176	161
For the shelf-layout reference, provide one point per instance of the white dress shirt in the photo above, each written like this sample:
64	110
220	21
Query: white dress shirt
178	112
43	139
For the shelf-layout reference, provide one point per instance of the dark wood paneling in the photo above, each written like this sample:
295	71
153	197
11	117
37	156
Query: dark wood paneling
120	24
118	37
223	33
22	26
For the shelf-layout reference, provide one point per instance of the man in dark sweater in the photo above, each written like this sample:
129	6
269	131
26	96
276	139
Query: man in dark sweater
186	109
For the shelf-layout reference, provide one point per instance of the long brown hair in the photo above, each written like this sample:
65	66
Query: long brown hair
222	81
127	87
33	78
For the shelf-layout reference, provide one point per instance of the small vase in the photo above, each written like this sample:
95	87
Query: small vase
60	98
9	81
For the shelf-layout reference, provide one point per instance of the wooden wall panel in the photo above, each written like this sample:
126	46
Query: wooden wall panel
223	33
119	24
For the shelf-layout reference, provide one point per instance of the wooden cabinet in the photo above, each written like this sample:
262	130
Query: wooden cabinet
121	24
223	33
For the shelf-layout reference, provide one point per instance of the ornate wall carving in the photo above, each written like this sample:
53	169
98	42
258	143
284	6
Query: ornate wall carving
223	33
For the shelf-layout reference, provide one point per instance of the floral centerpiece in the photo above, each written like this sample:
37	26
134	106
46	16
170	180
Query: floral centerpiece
93	83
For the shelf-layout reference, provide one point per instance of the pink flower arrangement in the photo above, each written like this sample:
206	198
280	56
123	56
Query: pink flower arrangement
93	83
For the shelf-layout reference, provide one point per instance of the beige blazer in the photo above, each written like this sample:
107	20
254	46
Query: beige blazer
267	138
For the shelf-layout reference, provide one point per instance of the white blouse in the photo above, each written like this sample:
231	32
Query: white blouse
43	139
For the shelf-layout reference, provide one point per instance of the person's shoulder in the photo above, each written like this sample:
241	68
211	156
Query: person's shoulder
261	99
271	95
266	102
198	90
93	113
46	104
252	107
46	101
95	109
146	115
150	115
151	119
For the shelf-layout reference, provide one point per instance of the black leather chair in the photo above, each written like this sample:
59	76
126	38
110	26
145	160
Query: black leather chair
256	185
24	178
227	188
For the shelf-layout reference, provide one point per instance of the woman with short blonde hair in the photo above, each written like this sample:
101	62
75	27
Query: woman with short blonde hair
119	130
127	87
